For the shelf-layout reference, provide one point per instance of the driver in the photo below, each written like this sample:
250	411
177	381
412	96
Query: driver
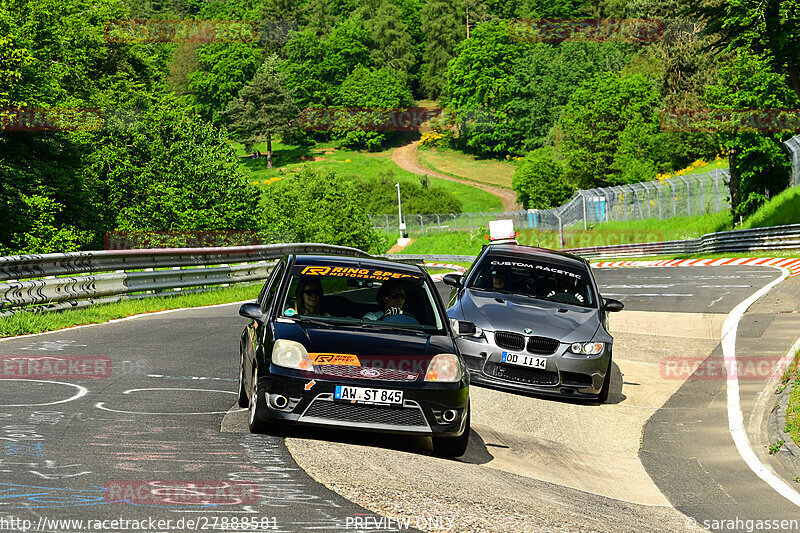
391	297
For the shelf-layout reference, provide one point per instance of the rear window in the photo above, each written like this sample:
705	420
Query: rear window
535	279
354	295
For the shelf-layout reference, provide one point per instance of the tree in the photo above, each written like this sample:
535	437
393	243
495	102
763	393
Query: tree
607	130
171	172
442	31
539	181
767	28
758	160
373	91
320	207
224	69
479	87
392	47
315	67
263	108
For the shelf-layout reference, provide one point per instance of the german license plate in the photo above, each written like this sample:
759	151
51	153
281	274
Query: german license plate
365	395
523	360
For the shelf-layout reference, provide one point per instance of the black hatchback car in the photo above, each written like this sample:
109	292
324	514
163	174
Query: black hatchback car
355	343
542	325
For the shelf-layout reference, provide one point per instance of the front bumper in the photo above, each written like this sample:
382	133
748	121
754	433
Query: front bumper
422	412
564	376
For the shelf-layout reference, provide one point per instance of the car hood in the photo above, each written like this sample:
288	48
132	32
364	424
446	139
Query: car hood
366	342
507	312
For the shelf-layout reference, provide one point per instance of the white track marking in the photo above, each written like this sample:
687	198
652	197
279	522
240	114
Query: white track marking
82	391
735	417
101	405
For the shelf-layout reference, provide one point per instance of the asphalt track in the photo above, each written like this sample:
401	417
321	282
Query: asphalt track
160	416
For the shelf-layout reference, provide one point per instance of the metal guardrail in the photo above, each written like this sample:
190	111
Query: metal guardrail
77	276
60	281
735	241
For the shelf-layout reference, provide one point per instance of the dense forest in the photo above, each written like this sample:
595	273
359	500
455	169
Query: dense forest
579	111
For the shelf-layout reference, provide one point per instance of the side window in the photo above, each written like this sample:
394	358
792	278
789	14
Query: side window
271	287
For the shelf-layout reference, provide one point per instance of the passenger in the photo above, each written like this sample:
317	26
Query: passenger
308	300
391	296
500	278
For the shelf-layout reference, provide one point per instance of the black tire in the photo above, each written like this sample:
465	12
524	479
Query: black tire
453	446
256	409
242	399
603	396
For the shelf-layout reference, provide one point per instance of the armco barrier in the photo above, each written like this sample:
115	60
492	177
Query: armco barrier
30	280
59	281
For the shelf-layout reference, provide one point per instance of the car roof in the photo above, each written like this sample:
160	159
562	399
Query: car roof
521	251
361	262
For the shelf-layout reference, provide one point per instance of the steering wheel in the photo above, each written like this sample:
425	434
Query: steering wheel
401	318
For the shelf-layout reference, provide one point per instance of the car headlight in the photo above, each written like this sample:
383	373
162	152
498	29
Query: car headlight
291	354
587	348
444	367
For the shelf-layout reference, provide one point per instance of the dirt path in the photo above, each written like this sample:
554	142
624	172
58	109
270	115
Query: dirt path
405	157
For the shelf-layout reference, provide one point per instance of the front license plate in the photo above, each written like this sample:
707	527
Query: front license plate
365	395
524	360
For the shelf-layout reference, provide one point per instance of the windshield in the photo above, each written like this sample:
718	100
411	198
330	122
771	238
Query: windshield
367	297
536	279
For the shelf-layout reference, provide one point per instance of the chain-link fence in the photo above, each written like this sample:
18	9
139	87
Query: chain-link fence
695	194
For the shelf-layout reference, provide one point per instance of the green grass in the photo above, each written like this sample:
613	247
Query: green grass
793	410
466	166
778	211
24	323
360	165
635	231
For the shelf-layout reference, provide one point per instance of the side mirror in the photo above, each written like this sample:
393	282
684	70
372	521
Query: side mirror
453	280
465	329
612	305
251	310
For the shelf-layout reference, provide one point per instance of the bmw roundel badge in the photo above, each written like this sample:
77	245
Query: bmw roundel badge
527	331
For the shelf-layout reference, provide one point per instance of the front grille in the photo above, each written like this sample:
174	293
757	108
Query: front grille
533	376
542	345
510	341
372	414
354	372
